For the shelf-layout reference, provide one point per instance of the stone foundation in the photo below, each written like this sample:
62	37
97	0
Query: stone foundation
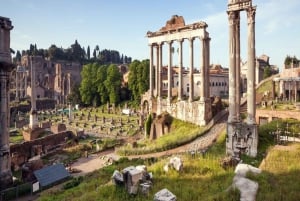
197	112
30	134
242	138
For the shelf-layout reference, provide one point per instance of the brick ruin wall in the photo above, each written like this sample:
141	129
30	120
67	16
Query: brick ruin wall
20	153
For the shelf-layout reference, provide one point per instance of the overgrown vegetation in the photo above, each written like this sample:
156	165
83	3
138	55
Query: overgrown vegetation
202	178
181	133
280	179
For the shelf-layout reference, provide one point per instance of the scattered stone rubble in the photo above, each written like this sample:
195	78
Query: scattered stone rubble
134	178
175	163
164	195
247	187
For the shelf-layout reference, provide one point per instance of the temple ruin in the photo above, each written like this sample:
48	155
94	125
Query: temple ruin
6	67
242	137
195	109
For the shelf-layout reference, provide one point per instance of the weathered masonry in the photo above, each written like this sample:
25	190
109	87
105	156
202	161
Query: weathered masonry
195	111
242	137
6	67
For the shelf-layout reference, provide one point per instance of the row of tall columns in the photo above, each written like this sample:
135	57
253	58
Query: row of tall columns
234	67
156	82
292	85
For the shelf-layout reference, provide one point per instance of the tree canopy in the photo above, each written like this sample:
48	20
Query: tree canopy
100	84
77	53
138	80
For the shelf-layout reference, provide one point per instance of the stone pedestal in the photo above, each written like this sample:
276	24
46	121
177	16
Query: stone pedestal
32	134
242	138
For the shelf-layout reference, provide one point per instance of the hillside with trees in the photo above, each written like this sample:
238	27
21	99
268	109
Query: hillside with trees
77	53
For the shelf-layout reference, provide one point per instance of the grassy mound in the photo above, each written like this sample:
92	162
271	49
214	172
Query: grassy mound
181	133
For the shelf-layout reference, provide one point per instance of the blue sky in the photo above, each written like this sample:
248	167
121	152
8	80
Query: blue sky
122	25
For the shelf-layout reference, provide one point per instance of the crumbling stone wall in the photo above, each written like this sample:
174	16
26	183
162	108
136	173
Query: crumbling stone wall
160	125
20	153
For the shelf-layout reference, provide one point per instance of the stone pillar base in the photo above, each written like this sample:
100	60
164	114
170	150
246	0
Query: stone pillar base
32	134
6	180
241	138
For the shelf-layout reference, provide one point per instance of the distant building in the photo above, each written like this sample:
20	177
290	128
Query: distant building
262	63
288	82
54	79
218	85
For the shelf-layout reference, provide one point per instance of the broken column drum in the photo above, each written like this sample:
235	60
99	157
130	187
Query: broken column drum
242	137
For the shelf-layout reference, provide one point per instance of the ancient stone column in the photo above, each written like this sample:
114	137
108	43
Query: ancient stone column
159	69
251	96
203	71
180	70
5	68
170	72
295	87
17	85
191	76
232	67
273	89
207	66
33	123
237	66
281	88
151	71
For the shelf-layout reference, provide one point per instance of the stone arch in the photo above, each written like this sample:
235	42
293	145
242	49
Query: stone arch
145	107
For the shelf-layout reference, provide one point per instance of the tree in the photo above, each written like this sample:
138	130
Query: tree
74	97
113	83
101	88
94	54
267	72
18	56
88	53
88	85
138	80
